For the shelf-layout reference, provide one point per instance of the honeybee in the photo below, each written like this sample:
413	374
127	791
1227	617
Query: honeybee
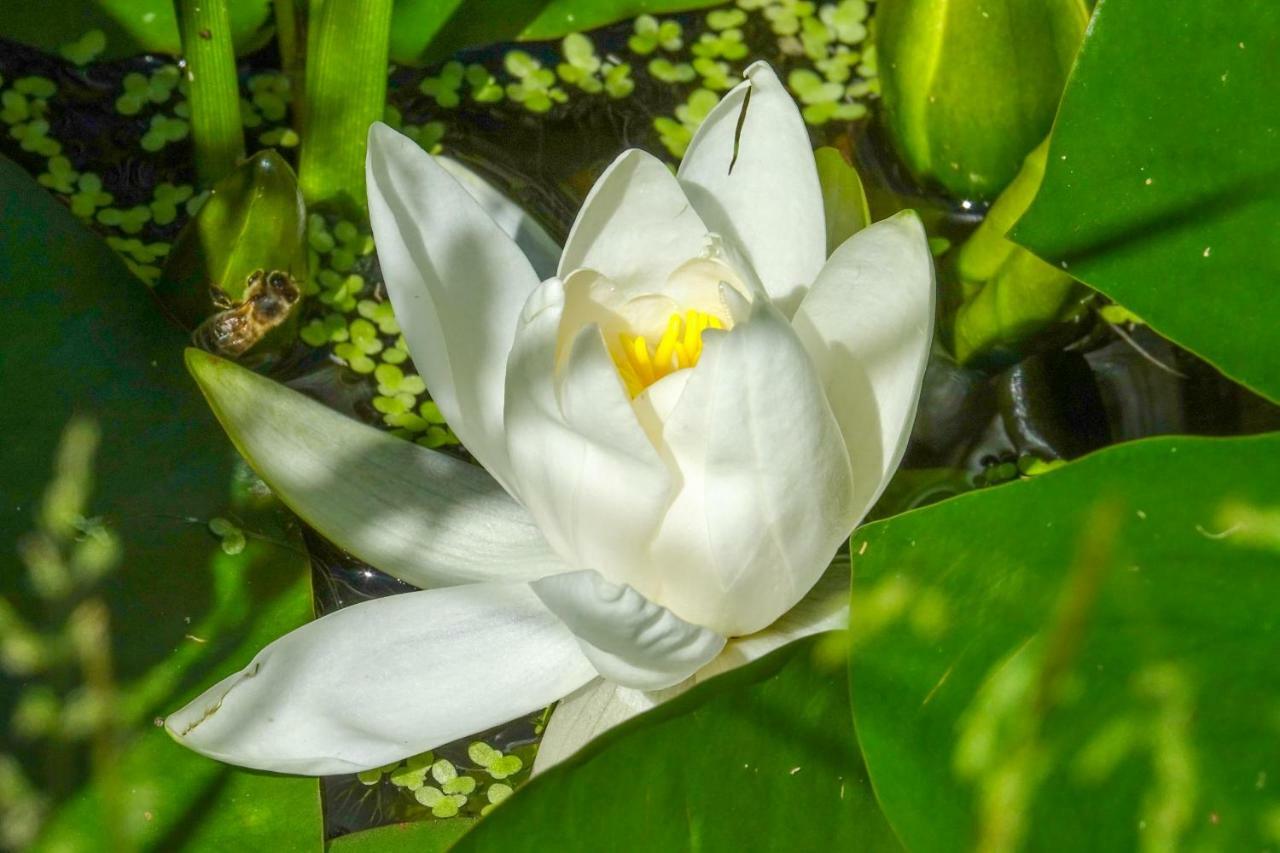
268	299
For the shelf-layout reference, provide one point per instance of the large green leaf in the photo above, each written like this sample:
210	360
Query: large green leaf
1163	184
127	27
1081	661
83	336
762	753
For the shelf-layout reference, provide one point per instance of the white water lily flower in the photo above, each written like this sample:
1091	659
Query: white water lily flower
682	425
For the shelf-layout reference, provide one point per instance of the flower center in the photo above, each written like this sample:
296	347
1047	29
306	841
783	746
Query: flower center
641	364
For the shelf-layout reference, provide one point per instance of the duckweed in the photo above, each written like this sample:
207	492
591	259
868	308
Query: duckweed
165	200
60	177
85	49
130	220
164	130
651	34
444	88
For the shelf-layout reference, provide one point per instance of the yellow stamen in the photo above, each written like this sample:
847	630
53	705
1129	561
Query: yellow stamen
679	347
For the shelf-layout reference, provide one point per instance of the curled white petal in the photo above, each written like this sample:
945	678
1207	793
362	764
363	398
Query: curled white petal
629	639
601	705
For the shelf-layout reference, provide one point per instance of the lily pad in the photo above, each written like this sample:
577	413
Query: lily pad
423	836
1163	181
762	752
1080	661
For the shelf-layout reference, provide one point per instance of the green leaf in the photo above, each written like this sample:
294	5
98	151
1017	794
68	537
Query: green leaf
424	836
1080	661
346	92
762	752
1163	184
843	198
130	27
82	336
213	87
560	17
426	31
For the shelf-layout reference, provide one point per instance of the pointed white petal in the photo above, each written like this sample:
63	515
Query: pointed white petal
629	639
636	226
867	322
770	202
419	515
386	679
583	465
457	283
765	483
542	251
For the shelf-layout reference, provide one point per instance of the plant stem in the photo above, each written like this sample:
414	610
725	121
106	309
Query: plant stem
291	32
346	91
214	95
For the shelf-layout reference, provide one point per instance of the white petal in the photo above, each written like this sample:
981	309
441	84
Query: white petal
764	498
770	203
457	283
599	706
635	226
419	515
542	251
867	322
386	679
824	608
583	465
629	639
587	713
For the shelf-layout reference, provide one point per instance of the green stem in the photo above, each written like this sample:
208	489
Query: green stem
290	36
214	87
346	92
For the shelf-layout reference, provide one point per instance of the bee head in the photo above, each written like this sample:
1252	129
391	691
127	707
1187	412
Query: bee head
282	285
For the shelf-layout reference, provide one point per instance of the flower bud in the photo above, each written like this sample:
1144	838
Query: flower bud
254	219
971	86
1009	293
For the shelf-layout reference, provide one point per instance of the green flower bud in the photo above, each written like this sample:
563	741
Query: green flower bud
971	86
1010	294
254	219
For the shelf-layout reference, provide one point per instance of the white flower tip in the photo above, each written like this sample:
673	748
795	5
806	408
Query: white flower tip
759	68
910	219
382	137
